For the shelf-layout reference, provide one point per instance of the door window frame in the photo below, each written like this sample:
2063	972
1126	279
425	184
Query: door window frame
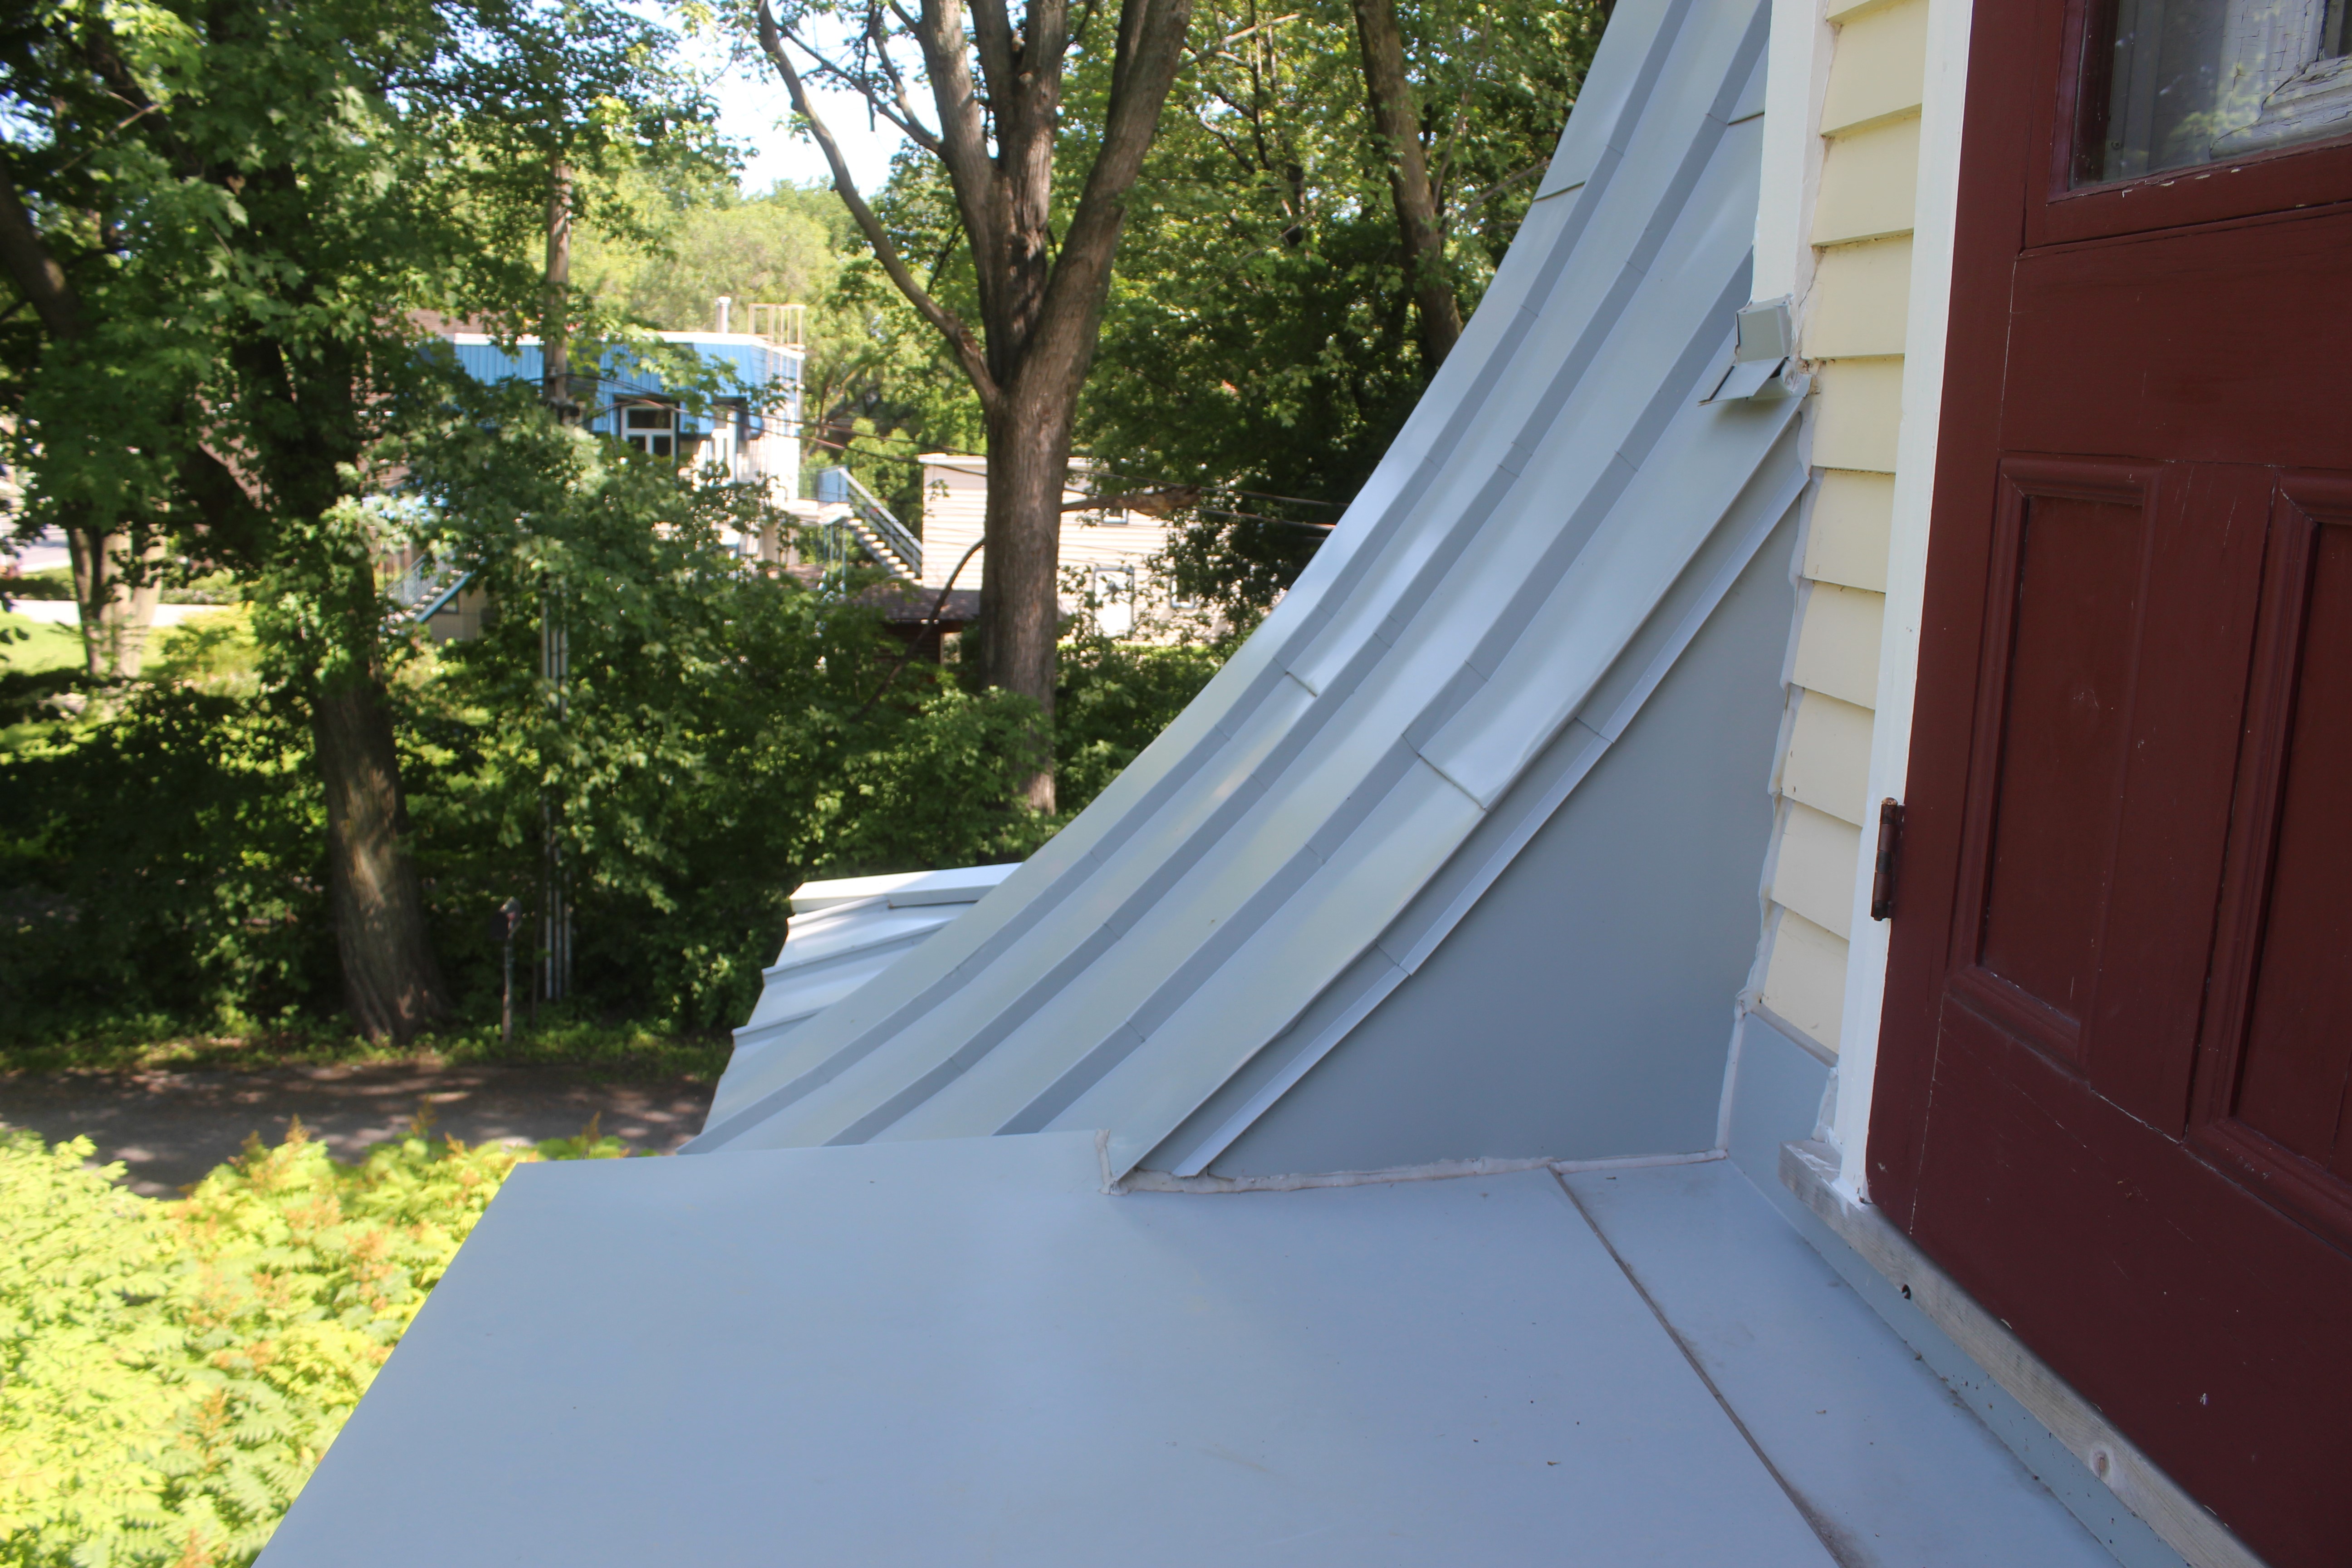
2304	175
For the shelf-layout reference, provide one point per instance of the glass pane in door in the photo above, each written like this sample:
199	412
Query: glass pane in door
2169	84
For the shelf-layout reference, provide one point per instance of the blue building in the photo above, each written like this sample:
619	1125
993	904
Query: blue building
752	432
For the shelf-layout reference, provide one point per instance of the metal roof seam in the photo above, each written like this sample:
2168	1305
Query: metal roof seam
1784	497
1270	852
1140	1180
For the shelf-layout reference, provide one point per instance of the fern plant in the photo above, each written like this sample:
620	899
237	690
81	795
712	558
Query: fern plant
172	1372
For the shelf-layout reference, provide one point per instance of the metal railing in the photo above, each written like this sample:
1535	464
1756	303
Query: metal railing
883	537
426	588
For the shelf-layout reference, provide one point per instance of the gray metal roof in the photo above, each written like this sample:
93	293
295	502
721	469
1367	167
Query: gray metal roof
845	931
1554	526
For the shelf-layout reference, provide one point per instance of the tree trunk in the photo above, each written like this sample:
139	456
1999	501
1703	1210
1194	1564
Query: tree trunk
1020	603
1398	122
116	617
1040	306
391	982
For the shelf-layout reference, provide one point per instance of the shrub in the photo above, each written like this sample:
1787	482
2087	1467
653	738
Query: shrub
170	1372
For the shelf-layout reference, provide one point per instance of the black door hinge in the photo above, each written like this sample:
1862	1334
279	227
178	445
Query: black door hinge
1882	872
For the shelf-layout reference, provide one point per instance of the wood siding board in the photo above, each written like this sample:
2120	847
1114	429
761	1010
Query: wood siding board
1804	978
1878	71
1813	873
1841	12
1837	642
1858	414
955	512
1870	181
1828	763
1860	300
1846	541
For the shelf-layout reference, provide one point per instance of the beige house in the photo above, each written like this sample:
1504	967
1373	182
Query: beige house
1106	554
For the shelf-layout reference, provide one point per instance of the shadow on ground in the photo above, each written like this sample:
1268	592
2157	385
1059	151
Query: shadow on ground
170	1127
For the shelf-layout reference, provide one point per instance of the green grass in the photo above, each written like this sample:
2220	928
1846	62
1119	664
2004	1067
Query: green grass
590	1048
46	645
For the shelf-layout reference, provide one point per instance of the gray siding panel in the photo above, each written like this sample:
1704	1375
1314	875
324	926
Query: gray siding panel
1583	1009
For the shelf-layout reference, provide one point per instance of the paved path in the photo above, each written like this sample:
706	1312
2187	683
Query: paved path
170	1127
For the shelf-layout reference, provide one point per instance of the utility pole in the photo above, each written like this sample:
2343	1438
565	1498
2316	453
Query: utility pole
556	918
554	637
504	925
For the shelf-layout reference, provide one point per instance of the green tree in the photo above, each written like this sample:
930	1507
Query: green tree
231	298
722	734
1041	268
1276	319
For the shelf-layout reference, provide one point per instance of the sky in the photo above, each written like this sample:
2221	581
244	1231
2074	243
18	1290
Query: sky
751	114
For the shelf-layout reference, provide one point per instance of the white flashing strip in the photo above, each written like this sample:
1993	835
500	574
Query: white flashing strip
1142	1181
1941	110
1809	1170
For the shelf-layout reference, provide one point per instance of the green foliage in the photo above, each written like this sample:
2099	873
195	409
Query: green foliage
784	248
163	856
126	1040
721	734
1260	335
55	584
170	1372
1113	700
37	646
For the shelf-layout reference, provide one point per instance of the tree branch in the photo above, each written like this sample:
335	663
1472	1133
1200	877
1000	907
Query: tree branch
901	115
1464	208
963	137
1389	93
924	138
30	266
1151	50
960	339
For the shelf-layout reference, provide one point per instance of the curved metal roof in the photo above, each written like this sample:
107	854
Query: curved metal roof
1553	526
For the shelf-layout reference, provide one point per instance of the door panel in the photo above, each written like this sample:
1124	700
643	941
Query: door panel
2183	345
2299	1031
2056	795
2087	1232
2114	1089
2279	1056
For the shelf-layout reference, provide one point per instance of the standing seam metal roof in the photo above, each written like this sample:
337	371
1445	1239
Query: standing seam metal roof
1547	533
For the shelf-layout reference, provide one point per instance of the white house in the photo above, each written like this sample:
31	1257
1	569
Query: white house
1750	969
1106	552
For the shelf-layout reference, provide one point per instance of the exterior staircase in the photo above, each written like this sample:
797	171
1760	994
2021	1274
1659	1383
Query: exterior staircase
849	507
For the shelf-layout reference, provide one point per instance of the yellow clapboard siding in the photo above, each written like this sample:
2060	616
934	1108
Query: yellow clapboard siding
1813	873
1837	642
1870	183
1804	979
1858	414
1846	540
1827	765
1861	302
1879	68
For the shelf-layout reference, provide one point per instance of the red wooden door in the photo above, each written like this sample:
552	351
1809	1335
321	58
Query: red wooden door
2113	1083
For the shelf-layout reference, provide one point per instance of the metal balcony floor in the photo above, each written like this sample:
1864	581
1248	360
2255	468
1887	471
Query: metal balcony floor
962	1352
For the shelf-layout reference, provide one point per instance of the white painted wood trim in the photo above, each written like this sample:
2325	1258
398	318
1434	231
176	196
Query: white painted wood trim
1797	74
1942	103
1811	1170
